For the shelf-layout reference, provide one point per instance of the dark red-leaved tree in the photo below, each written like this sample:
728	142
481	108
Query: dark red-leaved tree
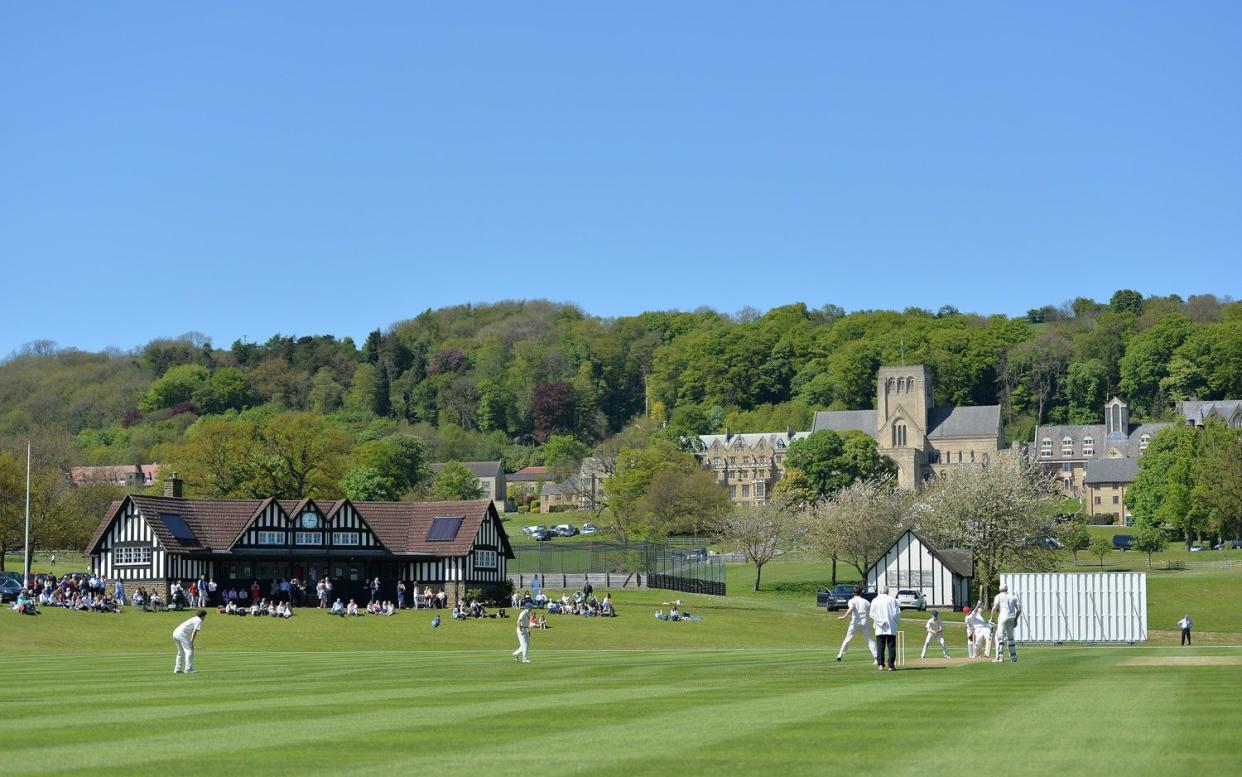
552	407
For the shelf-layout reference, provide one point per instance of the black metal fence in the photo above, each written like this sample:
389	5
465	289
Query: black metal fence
678	567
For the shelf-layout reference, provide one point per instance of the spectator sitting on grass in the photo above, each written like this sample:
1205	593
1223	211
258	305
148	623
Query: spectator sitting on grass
338	608
390	609
606	608
352	609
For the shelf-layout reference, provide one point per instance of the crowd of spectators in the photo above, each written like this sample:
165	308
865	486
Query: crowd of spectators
582	602
261	609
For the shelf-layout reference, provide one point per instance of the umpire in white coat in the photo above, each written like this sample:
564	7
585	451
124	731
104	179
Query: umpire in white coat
885	618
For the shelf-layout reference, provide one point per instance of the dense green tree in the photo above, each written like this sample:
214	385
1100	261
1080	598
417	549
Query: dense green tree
365	484
1086	389
1161	493
1149	540
823	463
179	384
455	482
1127	301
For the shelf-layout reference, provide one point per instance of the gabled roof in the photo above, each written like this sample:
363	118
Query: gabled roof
528	475
960	561
217	524
1111	471
775	440
480	469
844	421
1199	411
978	421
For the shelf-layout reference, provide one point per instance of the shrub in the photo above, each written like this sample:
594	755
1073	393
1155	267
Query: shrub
1101	520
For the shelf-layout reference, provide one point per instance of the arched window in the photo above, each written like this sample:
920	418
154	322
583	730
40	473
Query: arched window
901	385
1067	446
1088	446
910	383
1045	448
1143	442
899	435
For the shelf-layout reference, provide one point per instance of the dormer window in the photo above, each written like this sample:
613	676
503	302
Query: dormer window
1143	441
1067	446
1045	448
1088	446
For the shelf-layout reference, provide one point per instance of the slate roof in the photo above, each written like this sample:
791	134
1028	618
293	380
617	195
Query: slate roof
844	421
978	421
1198	411
751	439
1111	471
1131	447
401	527
528	475
480	469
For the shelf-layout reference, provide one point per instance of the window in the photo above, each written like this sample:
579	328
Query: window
758	489
1045	448
485	489
1097	500
733	492
308	538
346	538
1067	446
1067	468
271	538
972	457
716	462
1143	442
763	461
485	559
1088	446
1116	499
128	556
745	491
899	435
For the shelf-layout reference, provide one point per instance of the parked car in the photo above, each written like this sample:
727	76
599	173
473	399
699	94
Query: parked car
1122	541
533	529
565	530
911	599
589	528
698	554
9	589
837	597
541	534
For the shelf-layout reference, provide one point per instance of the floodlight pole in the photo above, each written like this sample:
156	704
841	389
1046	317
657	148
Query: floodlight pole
26	549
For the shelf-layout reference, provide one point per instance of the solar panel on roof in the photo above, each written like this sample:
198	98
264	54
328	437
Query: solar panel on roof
443	529
179	528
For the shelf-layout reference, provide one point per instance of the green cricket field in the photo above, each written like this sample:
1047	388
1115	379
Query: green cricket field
752	688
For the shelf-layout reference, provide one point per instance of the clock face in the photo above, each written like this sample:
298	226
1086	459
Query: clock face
310	520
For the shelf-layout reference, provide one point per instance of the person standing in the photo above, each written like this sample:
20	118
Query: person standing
53	559
212	588
1185	624
856	610
184	635
885	618
400	594
1006	609
935	630
119	593
523	634
375	587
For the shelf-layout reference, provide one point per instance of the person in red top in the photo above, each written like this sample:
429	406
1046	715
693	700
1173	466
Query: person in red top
254	591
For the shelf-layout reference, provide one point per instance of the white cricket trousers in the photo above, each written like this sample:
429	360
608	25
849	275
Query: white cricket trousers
928	641
983	642
523	636
849	635
186	648
1004	635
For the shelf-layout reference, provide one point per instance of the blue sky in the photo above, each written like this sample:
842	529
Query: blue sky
247	169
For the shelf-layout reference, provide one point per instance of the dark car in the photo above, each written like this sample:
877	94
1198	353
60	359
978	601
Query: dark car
1122	541
541	535
9	589
837	597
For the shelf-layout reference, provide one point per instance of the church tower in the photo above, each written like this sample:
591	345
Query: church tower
903	399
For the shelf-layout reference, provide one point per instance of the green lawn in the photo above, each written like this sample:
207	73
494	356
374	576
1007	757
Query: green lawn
750	689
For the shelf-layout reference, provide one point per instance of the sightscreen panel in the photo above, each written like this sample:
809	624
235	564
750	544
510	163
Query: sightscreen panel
1074	607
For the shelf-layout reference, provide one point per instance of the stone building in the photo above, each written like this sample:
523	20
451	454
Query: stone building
749	465
908	428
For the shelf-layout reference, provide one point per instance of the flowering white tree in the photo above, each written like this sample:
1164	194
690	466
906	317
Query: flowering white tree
761	532
858	523
995	510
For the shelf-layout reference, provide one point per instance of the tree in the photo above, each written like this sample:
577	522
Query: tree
680	502
1038	366
1151	539
301	455
761	532
390	467
1100	547
552	407
858	523
1161	492
825	462
1216	497
368	391
1073	536
178	385
1127	301
634	470
219	459
995	510
362	484
454	482
1086	389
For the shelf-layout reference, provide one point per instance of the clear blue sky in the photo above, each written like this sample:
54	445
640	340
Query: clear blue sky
246	169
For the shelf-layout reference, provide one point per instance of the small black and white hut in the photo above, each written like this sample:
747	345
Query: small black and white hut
943	576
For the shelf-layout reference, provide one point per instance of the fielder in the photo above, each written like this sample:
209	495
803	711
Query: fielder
856	610
523	635
1007	609
935	630
184	635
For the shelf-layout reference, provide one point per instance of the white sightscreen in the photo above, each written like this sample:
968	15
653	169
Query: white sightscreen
1073	607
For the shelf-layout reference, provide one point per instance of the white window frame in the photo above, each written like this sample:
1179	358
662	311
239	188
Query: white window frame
304	538
344	537
485	559
131	555
266	537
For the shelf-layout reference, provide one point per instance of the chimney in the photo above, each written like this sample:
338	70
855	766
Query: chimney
788	432
172	486
727	435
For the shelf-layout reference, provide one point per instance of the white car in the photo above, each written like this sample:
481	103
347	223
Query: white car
589	528
533	529
909	598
